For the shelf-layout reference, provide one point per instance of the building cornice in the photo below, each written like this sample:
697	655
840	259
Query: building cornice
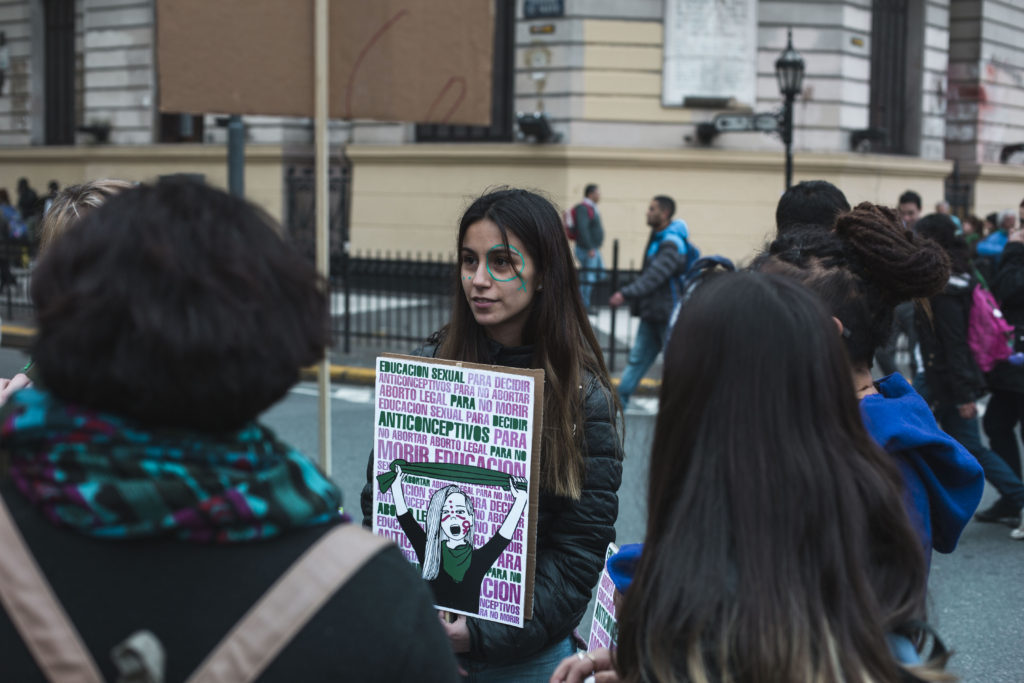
806	163
133	153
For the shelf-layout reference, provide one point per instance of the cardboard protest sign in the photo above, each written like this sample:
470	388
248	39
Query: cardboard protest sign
604	630
427	61
456	471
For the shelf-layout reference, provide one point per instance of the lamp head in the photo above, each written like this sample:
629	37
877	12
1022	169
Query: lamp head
789	69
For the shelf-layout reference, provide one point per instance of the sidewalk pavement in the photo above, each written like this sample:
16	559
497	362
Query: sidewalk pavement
358	366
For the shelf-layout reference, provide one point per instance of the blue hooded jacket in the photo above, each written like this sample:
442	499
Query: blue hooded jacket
993	245
676	231
943	482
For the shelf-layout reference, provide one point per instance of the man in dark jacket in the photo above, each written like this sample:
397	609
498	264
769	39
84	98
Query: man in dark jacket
1006	407
954	380
589	237
652	295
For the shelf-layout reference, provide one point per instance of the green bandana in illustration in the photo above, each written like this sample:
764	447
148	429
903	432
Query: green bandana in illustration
455	561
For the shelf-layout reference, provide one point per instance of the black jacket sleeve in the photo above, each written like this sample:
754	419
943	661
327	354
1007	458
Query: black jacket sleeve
954	371
572	537
1008	283
666	263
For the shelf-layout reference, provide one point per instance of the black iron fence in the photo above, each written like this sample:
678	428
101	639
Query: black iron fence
15	282
396	301
383	302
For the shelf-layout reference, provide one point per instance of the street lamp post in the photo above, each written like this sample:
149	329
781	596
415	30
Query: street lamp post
789	70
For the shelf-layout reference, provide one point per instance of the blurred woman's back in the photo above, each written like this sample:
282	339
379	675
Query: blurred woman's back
137	474
777	547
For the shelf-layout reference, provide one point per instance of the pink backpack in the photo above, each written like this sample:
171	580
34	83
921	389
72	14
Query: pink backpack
988	334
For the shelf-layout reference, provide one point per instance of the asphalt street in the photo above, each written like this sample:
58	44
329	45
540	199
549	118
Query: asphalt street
976	593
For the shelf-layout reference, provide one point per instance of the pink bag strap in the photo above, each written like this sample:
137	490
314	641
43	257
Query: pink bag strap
35	611
288	605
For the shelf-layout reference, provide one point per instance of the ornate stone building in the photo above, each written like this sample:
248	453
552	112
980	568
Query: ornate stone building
922	94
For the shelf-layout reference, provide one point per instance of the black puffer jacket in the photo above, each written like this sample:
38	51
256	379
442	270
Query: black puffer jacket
650	295
952	374
1008	288
572	535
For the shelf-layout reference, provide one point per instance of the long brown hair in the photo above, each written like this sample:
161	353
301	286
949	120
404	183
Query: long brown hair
564	344
778	547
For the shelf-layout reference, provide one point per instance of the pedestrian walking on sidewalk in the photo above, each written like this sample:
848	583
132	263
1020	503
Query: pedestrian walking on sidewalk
653	295
955	382
589	238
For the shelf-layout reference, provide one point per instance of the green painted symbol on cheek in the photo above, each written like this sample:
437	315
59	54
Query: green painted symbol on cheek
515	274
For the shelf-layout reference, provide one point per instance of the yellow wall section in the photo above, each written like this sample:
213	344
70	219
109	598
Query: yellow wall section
410	198
622	63
615	83
999	187
623	32
633	109
622	57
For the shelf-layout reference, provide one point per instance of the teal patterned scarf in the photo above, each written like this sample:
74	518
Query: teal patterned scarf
110	478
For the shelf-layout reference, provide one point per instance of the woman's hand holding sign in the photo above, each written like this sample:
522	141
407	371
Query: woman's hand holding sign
594	666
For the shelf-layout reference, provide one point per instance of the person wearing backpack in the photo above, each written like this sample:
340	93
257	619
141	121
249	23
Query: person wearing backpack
1005	409
955	381
589	236
141	501
652	296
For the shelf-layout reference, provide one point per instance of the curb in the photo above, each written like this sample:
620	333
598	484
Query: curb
20	337
16	336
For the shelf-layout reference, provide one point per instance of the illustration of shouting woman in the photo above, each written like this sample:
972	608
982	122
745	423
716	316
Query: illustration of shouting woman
451	565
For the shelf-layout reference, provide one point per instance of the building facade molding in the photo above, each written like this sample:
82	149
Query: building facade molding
570	156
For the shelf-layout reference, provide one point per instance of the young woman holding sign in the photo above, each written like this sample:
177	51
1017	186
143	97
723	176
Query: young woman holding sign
517	304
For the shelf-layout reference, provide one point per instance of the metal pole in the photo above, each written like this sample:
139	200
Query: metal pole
787	137
236	156
613	311
322	216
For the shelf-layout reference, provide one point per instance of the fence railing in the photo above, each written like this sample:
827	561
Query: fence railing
392	301
15	301
399	300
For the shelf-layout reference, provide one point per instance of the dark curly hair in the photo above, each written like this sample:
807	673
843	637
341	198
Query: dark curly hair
862	269
810	203
177	305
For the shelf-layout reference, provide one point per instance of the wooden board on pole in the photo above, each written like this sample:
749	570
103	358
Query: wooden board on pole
426	61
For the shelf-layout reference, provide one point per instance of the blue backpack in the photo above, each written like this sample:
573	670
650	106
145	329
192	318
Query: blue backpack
697	270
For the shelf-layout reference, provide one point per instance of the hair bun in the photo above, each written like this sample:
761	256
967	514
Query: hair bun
901	264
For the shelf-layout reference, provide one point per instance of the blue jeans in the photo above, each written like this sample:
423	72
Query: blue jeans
537	668
650	338
996	470
591	270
